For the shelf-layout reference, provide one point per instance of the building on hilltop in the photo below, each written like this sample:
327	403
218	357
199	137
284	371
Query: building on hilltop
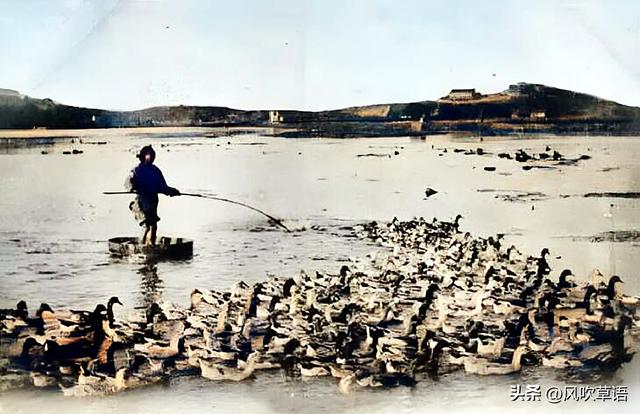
9	92
462	95
538	116
11	97
275	117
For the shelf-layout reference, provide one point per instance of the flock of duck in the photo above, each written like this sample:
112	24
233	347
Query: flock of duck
437	301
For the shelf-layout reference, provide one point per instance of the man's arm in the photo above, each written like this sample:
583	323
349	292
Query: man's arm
164	188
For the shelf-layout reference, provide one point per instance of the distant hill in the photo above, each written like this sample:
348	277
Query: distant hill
522	108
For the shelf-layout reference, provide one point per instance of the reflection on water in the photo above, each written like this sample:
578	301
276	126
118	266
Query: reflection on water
150	285
55	223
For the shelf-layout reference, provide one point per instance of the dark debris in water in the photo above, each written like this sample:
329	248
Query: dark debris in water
629	194
540	167
374	155
531	160
616	236
260	229
516	196
522	198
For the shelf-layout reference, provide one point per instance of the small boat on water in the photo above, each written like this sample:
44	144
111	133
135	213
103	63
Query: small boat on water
176	248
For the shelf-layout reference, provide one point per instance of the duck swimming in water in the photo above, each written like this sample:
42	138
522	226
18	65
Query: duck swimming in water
490	348
565	281
20	312
597	279
482	366
613	291
219	372
112	301
373	327
94	385
158	351
579	310
543	265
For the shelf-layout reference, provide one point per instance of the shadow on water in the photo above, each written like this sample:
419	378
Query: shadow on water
148	271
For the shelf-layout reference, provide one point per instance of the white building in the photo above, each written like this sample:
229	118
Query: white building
538	116
275	117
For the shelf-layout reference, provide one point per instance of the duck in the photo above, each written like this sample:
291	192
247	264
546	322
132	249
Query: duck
559	344
96	385
338	371
155	350
629	301
110	317
146	367
477	302
579	310
456	223
613	291
42	380
543	264
159	326
560	361
310	370
370	327
482	366
74	348
65	317
13	346
503	307
218	372
288	286
429	294
493	349
57	325
346	383
31	355
79	350
597	279
20	312
566	280
205	302
579	336
389	380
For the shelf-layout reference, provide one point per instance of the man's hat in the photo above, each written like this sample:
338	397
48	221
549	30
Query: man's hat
147	149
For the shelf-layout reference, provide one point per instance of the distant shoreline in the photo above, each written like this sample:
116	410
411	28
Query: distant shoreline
16	138
521	109
78	132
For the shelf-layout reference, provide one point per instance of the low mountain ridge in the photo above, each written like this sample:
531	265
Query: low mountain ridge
522	108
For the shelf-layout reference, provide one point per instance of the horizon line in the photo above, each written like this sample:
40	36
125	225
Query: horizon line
300	110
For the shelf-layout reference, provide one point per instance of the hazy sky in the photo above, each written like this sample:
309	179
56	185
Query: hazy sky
321	54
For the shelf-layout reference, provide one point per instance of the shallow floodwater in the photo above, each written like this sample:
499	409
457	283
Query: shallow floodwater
55	222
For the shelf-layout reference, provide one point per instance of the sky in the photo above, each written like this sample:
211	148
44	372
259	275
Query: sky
303	54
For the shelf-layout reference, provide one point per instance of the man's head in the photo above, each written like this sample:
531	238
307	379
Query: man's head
147	155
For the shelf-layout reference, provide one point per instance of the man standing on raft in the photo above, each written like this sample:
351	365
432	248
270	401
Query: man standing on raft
147	181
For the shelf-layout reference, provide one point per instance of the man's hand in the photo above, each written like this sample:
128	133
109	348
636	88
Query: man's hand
173	192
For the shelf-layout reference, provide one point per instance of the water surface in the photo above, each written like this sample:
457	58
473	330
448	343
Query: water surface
55	223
